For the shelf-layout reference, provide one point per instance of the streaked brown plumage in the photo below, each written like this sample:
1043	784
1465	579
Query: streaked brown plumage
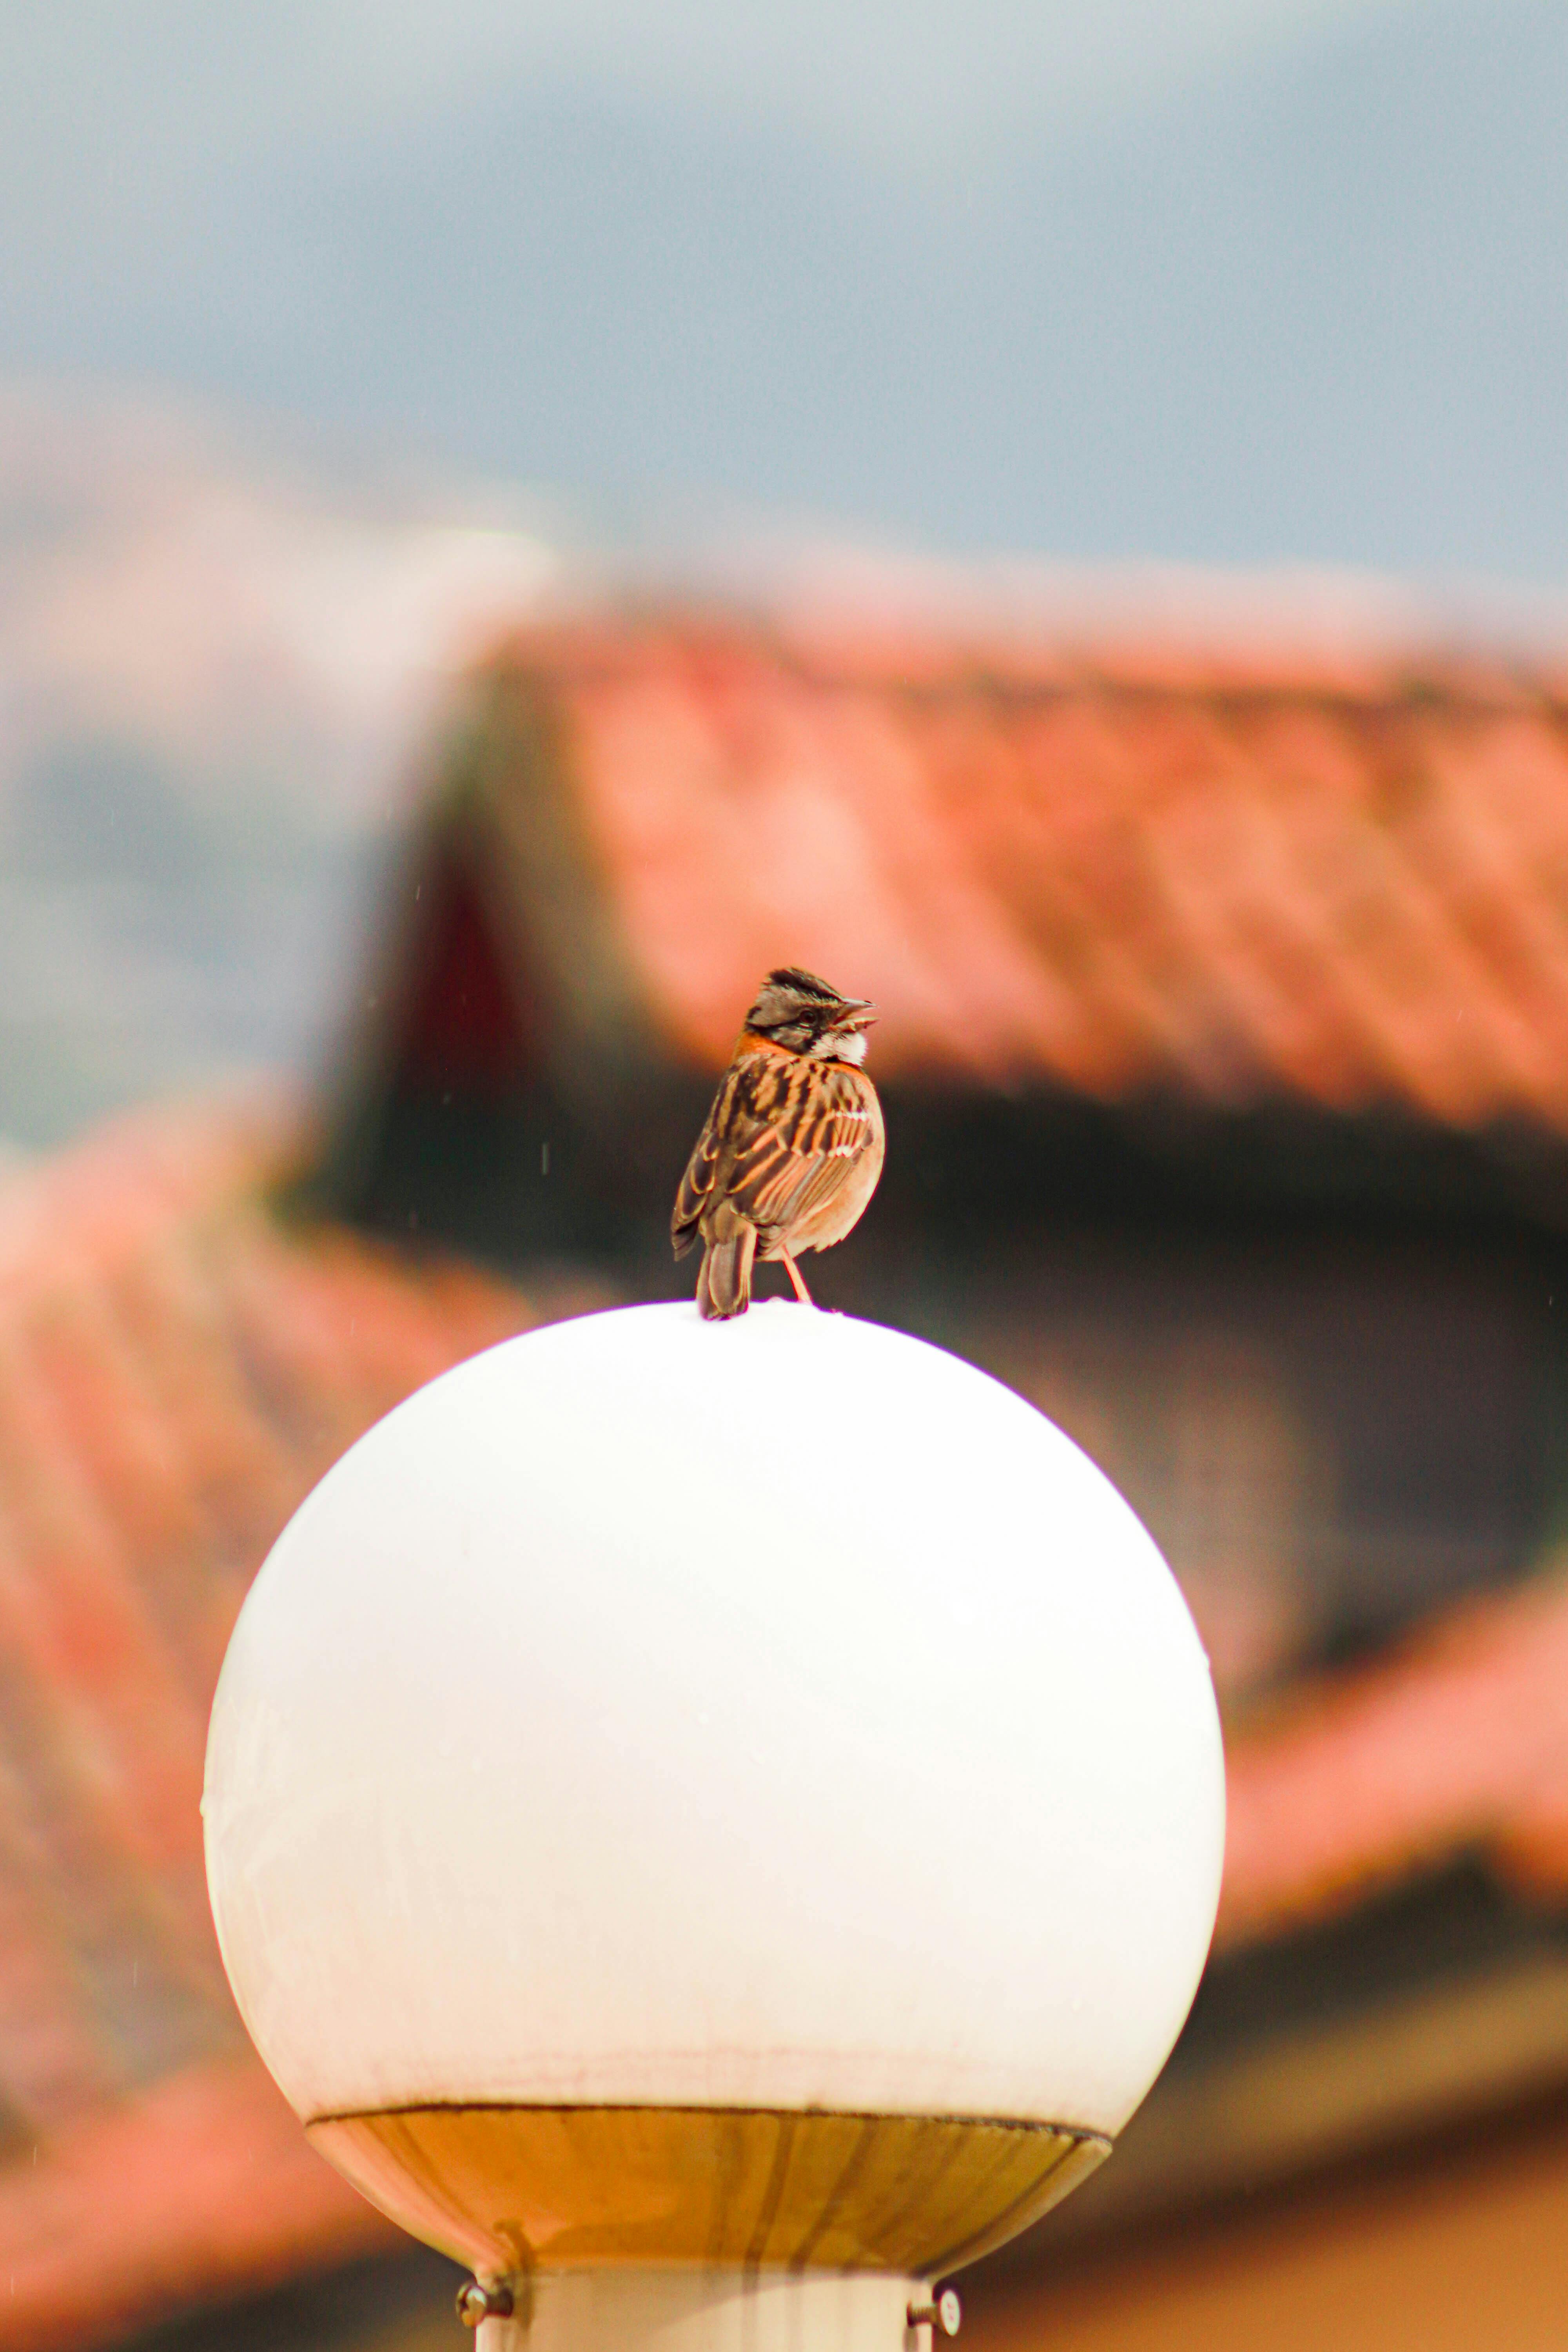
793	1146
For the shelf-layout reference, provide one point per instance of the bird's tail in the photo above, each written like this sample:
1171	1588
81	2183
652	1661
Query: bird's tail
724	1284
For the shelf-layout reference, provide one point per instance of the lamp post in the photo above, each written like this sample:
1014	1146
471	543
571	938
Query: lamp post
714	1826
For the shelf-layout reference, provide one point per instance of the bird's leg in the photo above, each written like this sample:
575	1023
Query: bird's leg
793	1270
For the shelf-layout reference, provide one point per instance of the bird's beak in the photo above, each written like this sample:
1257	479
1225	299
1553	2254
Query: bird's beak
858	1013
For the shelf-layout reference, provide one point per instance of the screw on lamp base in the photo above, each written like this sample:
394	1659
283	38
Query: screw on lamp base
943	2317
477	2303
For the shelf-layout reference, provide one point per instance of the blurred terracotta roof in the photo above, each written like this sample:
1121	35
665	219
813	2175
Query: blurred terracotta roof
1341	880
177	1369
1456	1744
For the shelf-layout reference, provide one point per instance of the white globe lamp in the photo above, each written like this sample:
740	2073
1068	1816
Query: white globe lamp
714	1826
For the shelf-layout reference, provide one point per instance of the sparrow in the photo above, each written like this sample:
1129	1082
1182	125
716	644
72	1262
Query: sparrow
793	1146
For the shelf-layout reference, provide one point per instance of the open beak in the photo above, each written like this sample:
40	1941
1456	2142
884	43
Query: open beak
858	1013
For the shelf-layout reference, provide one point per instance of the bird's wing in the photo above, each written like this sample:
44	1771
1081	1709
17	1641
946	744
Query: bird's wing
701	1182
780	1139
799	1127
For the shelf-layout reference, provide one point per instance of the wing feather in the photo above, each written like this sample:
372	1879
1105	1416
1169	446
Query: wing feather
700	1185
804	1129
780	1142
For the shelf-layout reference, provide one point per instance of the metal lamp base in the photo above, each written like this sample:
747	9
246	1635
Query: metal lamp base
684	2310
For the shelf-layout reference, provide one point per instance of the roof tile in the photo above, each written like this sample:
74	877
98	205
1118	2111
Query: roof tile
177	1368
1121	869
1458	1742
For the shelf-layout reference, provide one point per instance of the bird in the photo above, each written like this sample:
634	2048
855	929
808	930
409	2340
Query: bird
793	1146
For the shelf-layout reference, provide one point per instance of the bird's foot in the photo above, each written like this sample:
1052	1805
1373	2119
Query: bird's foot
793	1270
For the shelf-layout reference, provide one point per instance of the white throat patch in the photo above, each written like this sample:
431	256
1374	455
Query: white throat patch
840	1046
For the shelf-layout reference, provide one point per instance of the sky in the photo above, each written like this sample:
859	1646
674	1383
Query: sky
169	86
1239	281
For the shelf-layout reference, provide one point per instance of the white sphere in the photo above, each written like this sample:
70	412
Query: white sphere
777	1714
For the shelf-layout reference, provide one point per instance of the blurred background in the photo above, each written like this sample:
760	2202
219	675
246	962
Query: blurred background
514	519
325	326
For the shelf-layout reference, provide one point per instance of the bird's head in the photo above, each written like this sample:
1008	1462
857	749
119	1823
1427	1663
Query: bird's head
796	1009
